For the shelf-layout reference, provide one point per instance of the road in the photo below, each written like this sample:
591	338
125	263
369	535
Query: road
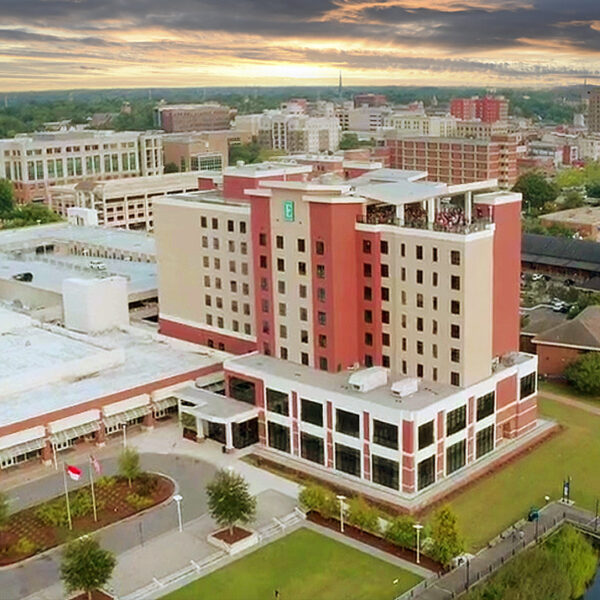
191	476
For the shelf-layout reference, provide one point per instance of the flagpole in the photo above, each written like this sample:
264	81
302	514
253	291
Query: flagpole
92	485
67	497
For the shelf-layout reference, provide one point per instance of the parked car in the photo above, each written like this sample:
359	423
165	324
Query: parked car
23	276
97	265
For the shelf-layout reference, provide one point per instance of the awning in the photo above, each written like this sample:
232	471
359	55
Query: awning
126	416
21	437
117	408
14	451
215	387
80	419
165	403
74	432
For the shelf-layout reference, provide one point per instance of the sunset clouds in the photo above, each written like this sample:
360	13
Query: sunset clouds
49	44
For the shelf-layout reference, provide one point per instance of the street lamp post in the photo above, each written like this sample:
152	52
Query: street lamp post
418	527
124	435
178	498
341	501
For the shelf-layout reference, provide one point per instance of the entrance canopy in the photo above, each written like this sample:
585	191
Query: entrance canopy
214	408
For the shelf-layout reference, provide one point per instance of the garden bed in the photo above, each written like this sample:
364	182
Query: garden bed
44	526
375	541
96	595
231	537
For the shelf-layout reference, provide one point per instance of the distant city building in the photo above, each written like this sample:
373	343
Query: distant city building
420	124
175	118
367	118
593	116
488	109
478	129
583	221
370	100
36	161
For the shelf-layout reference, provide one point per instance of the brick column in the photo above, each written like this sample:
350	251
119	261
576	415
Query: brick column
148	422
101	435
47	454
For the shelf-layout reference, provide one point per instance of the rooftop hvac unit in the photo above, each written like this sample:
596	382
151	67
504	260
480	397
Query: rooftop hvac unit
405	387
508	360
368	379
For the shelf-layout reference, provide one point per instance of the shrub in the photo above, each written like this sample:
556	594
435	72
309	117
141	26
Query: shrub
81	503
320	499
584	373
105	482
53	513
447	542
363	515
24	547
146	484
138	502
401	531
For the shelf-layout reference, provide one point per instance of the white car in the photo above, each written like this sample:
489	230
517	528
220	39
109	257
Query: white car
97	265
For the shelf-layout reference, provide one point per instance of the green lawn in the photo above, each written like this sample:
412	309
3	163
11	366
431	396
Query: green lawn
302	566
489	506
564	389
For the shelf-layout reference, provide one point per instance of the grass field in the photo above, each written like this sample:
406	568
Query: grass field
564	389
302	566
492	504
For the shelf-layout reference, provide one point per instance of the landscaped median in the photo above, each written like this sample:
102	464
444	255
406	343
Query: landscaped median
39	528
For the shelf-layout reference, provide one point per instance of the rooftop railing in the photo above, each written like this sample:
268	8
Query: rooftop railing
459	228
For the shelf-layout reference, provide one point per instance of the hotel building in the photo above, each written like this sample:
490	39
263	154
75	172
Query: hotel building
377	320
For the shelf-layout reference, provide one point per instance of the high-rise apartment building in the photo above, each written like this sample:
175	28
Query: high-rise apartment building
175	118
414	281
369	100
488	109
36	161
593	116
456	160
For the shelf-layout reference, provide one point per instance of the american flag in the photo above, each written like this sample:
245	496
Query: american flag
95	464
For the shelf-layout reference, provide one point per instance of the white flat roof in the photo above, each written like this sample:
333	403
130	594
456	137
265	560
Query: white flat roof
112	362
259	170
403	191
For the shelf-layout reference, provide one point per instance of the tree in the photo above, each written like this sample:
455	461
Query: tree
3	509
536	191
592	189
7	197
584	373
229	501
86	566
447	541
129	464
363	515
573	199
171	167
401	531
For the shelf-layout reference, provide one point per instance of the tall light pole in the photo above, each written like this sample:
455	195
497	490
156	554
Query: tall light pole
418	527
341	501
124	435
178	498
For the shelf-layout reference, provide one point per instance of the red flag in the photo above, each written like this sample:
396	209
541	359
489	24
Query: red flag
95	464
73	472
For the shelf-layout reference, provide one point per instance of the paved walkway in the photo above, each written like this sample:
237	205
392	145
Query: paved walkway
570	401
498	553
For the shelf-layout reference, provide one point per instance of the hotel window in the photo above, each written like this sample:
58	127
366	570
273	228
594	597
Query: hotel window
283	353
527	385
301	268
368	339
368	360
311	412
304	358
434	327
235	325
320	248
207	300
231	246
456	420
230	225
280	264
434	252
204	241
404	368
278	402
455	307
321	271
485	405
283	331
321	294
404	344
279	436
425	435
302	291
434	302
403	297
419	300
312	448
243	247
455	282
383	247
420	370
242	226
347	423
366	247
426	472
304	336
232	266
419	276
419	323
403	321
456	457
202	221
402	250
322	318
385	294
455	378
265	305
323	363
434	279
279	242
435	374
217	263
303	314
215	223
233	286
263	262
419	252
246	309
282	309
322	341
262	239
419	347
434	350
455	331
385	361
367	293
301	245
455	355
245	289
484	441
368	316
403	274
347	460
281	287
385	434
242	390
385	339
367	271
455	257
386	472
385	317
234	306
220	322
385	270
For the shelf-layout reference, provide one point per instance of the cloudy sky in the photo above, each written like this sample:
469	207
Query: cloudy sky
53	44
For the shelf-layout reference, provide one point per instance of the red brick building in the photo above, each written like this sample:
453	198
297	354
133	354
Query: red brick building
488	109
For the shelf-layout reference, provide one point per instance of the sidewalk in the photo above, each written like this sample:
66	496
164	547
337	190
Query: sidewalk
570	401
